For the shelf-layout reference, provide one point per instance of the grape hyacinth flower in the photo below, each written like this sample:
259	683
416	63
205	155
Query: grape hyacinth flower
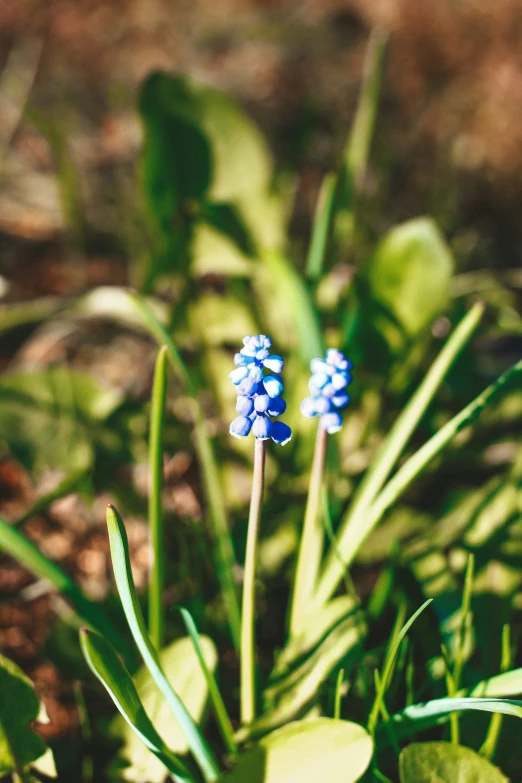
330	378
259	395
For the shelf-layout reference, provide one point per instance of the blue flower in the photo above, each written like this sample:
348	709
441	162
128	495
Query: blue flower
330	377
240	427
259	395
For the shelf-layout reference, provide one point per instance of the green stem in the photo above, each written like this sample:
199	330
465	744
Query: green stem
312	539
157	574
247	648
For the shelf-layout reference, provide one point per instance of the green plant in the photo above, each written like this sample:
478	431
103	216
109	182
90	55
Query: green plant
378	494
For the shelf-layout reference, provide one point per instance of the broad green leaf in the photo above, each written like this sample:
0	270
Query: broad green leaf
291	695
500	686
123	575
332	751
182	668
19	706
444	762
194	176
49	417
108	668
409	274
316	628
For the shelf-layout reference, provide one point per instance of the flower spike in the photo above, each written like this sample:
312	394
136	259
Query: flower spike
259	395
330	377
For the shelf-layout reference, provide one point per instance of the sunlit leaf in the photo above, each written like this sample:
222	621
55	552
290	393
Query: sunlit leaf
444	762
108	668
19	706
409	274
181	666
332	751
48	417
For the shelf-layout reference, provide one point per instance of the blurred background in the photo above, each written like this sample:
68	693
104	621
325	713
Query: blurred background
89	148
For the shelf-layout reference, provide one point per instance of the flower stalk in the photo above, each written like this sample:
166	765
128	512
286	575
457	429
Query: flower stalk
247	650
312	538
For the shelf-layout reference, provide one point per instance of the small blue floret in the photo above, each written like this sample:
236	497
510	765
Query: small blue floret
240	427
281	433
262	427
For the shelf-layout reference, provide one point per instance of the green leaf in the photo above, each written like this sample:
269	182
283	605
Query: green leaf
316	628
19	706
505	684
389	665
357	148
49	417
124	581
409	274
325	749
431	712
181	665
218	704
289	696
321	228
196	141
224	550
444	762
108	668
289	308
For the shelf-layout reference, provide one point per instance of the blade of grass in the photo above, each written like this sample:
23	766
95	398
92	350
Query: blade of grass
157	575
389	664
15	544
225	726
225	559
391	450
489	745
125	584
357	147
105	664
321	228
418	461
338	694
312	539
461	644
85	731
